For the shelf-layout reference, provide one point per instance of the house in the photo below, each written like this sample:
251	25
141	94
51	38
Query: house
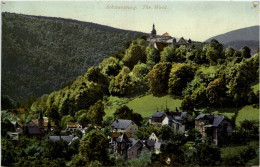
160	42
73	126
157	118
215	126
124	126
43	123
33	131
177	120
131	148
68	139
158	142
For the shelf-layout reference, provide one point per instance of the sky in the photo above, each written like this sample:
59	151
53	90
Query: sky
196	20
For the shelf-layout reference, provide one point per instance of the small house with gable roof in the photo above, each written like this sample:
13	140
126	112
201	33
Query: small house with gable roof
215	126
124	126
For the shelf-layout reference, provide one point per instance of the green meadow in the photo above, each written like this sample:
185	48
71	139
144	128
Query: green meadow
146	105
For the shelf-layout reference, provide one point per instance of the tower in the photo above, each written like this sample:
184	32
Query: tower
40	120
153	32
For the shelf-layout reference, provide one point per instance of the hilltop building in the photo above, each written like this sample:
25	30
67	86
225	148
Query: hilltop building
160	42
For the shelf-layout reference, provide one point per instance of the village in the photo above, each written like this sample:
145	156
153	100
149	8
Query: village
122	135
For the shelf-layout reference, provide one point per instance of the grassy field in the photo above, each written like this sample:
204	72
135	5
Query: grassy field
235	149
146	105
248	112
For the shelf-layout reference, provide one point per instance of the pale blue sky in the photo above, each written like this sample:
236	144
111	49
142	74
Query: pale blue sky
196	20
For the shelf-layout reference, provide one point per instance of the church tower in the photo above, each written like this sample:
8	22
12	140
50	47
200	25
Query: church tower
153	32
40	120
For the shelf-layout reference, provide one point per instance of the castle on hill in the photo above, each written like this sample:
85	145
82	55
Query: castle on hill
159	42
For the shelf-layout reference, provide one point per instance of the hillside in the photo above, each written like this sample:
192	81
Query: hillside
42	54
238	38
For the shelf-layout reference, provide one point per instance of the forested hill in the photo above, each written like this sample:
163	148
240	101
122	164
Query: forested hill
239	38
40	54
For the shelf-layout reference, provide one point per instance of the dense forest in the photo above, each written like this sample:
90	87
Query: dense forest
41	54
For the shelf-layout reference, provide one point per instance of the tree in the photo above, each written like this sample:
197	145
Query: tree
247	125
158	78
8	153
187	104
216	92
246	52
94	147
125	112
83	119
168	54
229	52
96	113
110	66
65	119
180	75
7	103
213	51
134	54
207	155
153	56
122	84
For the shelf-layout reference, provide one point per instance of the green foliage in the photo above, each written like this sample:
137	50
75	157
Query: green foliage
51	52
122	83
153	56
96	113
8	153
216	92
94	147
180	75
229	52
6	126
110	66
207	155
143	160
124	112
144	132
134	54
158	78
213	51
240	158
7	103
168	54
246	52
65	119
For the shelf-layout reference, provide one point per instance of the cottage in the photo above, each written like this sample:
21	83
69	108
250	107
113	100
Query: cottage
215	126
131	148
124	126
177	120
73	126
158	142
157	118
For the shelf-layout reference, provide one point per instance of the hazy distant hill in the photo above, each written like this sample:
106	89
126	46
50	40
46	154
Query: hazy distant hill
238	38
40	54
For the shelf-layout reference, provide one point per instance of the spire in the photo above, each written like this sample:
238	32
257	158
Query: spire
153	32
40	115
